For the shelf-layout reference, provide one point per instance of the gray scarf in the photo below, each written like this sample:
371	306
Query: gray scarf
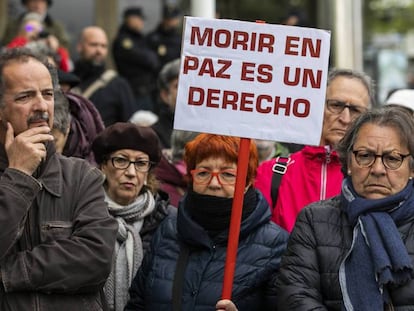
128	251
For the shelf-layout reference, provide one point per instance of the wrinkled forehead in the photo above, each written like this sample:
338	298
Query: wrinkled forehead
23	74
349	89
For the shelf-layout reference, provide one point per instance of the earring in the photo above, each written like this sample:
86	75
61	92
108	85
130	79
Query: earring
349	172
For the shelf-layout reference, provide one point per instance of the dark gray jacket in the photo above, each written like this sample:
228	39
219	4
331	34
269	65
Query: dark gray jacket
57	238
309	274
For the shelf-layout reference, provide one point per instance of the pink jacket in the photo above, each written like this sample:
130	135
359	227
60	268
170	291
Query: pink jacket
313	174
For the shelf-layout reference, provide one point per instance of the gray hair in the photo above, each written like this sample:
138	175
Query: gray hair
178	140
23	55
394	117
354	74
61	120
169	72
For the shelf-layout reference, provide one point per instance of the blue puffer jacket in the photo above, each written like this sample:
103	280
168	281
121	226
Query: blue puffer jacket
260	248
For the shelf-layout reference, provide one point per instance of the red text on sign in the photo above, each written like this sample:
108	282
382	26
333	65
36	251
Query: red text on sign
264	72
298	46
224	38
249	102
302	76
214	69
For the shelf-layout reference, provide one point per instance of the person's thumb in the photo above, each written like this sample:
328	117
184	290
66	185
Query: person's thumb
9	136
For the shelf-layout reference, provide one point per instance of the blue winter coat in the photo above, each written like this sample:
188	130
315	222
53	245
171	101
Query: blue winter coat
260	248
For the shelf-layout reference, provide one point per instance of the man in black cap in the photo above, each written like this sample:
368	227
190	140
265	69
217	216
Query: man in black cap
165	40
40	7
135	61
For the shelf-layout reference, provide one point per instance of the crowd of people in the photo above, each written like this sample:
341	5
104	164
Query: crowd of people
104	206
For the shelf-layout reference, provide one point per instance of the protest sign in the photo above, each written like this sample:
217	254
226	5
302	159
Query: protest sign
252	80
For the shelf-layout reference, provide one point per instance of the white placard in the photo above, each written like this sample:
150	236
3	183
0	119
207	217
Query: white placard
252	80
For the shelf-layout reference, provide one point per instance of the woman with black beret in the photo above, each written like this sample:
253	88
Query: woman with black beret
126	154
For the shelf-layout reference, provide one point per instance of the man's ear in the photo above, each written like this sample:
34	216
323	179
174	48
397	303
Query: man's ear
164	95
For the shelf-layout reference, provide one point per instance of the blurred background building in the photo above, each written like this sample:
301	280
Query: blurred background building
376	36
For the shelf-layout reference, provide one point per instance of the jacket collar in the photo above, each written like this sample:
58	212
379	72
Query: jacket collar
321	152
195	235
49	173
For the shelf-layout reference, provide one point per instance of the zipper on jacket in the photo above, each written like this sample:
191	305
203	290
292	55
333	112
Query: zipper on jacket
37	301
49	226
324	172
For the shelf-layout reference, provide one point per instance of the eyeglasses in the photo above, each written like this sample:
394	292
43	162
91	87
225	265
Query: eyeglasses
123	164
202	176
392	160
337	106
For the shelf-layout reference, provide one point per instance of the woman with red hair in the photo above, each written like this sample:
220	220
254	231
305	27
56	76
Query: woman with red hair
185	265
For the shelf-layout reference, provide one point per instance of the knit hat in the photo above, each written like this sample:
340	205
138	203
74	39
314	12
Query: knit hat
124	135
402	97
144	118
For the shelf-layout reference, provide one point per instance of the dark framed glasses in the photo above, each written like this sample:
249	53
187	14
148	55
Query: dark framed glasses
123	164
337	106
391	160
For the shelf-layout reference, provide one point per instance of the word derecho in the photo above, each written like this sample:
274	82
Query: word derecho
221	68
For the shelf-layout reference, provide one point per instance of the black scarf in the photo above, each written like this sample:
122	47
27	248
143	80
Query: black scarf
214	213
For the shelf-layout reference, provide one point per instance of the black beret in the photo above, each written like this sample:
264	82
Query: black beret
125	135
134	11
49	2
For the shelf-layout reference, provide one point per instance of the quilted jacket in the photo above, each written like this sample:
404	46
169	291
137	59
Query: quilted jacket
322	236
260	248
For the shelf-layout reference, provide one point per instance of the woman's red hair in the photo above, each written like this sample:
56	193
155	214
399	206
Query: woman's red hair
219	146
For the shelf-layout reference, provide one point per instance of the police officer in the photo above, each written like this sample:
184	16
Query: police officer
135	61
166	38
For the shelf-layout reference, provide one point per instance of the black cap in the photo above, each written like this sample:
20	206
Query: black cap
134	11
171	11
68	78
49	2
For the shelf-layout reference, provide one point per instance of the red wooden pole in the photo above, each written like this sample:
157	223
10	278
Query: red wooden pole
235	221
236	213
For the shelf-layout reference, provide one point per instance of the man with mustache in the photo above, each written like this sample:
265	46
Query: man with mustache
57	238
314	172
109	92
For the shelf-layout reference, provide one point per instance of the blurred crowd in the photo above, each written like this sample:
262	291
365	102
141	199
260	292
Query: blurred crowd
105	206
